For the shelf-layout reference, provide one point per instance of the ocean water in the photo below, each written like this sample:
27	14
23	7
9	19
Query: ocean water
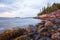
6	23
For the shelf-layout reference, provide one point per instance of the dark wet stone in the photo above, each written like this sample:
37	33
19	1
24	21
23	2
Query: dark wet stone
30	28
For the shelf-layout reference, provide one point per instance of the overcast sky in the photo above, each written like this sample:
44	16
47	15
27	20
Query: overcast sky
23	8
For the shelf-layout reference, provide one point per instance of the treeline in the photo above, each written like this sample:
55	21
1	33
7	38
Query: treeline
50	9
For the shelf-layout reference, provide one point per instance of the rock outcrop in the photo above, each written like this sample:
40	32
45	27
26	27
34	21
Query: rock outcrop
53	15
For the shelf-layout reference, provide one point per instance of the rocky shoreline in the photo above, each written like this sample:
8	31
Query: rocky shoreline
53	15
20	33
48	29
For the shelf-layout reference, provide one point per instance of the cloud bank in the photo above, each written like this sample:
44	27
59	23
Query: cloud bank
22	8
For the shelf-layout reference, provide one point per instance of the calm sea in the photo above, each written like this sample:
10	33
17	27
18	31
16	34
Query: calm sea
6	23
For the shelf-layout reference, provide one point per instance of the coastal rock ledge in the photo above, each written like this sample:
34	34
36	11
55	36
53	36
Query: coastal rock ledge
52	15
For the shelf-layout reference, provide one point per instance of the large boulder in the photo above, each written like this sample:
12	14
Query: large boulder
48	23
56	36
30	28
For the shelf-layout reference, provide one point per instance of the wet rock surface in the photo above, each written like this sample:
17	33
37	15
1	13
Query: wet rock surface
48	29
43	32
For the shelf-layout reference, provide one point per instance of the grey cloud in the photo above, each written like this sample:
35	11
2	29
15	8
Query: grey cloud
9	1
10	5
5	9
